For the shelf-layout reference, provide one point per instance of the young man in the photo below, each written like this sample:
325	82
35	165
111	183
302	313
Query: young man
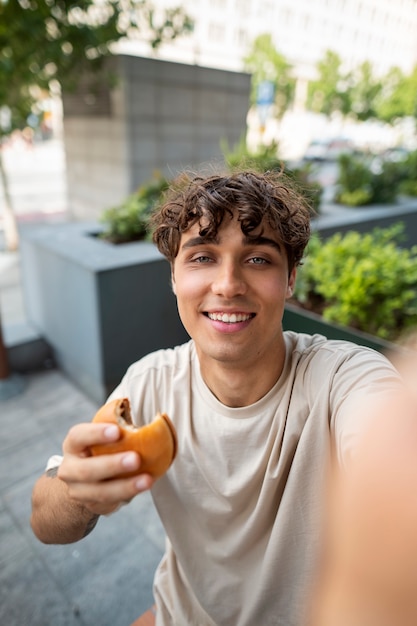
258	413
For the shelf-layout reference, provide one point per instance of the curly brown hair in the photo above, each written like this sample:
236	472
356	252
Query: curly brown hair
255	197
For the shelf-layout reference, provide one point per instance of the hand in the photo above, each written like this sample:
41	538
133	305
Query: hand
93	481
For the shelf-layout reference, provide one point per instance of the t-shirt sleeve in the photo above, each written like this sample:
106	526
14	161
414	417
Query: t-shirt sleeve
362	383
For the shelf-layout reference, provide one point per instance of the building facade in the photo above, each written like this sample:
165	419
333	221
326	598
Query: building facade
382	32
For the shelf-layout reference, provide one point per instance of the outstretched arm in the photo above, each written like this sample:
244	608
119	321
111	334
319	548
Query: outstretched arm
67	502
369	573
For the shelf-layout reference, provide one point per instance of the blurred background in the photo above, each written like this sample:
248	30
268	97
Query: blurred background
325	78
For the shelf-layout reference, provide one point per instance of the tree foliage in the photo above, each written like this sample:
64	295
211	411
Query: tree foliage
360	94
330	92
267	64
364	91
399	96
55	40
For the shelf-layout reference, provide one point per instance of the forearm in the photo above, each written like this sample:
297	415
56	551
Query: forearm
56	518
67	503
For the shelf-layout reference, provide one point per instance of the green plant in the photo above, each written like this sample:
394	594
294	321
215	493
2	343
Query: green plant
359	185
409	187
266	64
129	220
366	281
51	46
409	183
354	181
386	183
358	197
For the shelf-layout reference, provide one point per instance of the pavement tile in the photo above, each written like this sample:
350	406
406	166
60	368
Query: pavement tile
28	460
30	597
17	502
103	580
17	431
126	593
13	543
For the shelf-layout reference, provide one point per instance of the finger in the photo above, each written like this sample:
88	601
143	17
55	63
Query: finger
93	469
81	436
105	497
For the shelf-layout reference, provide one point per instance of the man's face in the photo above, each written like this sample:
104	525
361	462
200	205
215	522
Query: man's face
231	294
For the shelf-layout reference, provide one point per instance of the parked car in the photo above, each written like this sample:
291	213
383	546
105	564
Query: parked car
328	149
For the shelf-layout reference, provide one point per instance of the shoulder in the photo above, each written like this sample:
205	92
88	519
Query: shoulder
152	383
328	364
157	370
305	348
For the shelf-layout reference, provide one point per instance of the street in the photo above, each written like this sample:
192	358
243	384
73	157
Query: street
36	175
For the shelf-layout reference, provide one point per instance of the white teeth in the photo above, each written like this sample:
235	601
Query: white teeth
229	319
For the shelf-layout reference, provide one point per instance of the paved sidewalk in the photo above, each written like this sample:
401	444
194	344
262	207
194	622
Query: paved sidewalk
104	580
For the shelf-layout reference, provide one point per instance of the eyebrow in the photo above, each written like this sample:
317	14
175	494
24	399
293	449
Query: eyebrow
257	240
199	241
260	240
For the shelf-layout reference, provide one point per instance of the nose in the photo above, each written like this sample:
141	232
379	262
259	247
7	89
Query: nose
229	280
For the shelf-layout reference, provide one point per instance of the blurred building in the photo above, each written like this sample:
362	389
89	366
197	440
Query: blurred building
380	31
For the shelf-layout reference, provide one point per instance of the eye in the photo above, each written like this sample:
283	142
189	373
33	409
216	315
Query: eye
258	260
201	258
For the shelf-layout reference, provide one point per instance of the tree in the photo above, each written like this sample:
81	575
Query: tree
399	96
45	42
360	94
267	64
364	92
331	91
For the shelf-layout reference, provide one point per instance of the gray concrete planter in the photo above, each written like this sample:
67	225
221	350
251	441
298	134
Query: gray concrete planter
302	321
364	219
99	306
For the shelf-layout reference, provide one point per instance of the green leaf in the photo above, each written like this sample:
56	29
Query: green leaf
366	281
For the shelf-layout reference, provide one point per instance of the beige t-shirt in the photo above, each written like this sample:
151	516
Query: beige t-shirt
241	503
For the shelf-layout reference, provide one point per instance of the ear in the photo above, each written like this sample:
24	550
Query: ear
173	286
291	282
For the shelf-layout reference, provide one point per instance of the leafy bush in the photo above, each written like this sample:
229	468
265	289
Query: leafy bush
359	185
266	159
357	197
409	187
129	220
385	184
409	184
366	281
354	175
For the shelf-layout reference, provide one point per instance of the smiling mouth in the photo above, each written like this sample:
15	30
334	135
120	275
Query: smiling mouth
232	318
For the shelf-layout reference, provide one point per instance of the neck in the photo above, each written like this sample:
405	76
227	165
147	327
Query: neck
238	387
